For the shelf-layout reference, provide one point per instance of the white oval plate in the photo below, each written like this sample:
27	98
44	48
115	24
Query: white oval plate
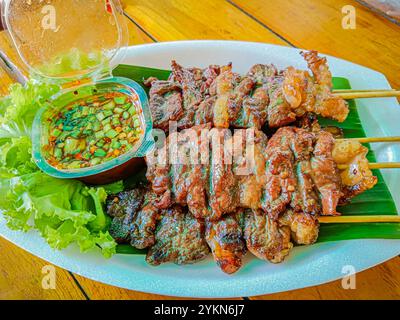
306	266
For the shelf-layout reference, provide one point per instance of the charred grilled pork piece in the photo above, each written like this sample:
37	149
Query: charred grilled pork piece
125	202
262	74
236	99
225	238
166	103
144	223
304	227
184	177
304	198
223	193
280	112
195	85
357	177
179	98
179	238
323	101
239	103
265	238
295	169
158	168
122	208
135	214
191	81
198	178
254	113
249	166
217	95
325	173
205	111
280	173
224	86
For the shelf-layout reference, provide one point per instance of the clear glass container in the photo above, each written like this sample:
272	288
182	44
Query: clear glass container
76	44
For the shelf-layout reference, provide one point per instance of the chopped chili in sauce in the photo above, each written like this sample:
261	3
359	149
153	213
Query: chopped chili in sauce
94	130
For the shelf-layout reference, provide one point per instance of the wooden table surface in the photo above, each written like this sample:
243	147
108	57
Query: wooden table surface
311	24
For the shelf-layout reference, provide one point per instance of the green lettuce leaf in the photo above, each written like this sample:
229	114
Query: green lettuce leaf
114	188
18	111
63	211
15	155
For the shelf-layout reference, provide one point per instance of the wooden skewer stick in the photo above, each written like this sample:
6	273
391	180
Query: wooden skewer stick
359	219
382	165
373	139
369	94
356	90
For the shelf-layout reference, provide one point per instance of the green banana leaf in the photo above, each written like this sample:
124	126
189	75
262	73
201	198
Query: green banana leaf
377	201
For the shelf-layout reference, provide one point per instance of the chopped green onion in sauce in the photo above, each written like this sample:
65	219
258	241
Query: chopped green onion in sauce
94	130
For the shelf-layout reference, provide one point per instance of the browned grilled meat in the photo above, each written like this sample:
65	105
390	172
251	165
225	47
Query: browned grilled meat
322	101
250	166
223	87
135	214
122	208
325	173
265	238
126	202
166	103
179	238
304	227
217	95
225	238
181	98
262	203
223	193
280	112
294	170
357	177
254	113
144	223
262	73
304	198
280	173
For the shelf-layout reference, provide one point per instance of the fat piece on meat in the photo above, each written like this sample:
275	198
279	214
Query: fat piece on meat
304	227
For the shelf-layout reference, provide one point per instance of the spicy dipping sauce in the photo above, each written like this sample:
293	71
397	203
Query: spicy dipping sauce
93	130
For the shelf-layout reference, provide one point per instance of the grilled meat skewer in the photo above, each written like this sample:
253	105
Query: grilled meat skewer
273	202
297	169
217	95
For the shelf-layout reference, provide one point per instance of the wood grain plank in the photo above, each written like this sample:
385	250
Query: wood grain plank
380	282
317	24
5	82
9	51
136	35
187	19
21	277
